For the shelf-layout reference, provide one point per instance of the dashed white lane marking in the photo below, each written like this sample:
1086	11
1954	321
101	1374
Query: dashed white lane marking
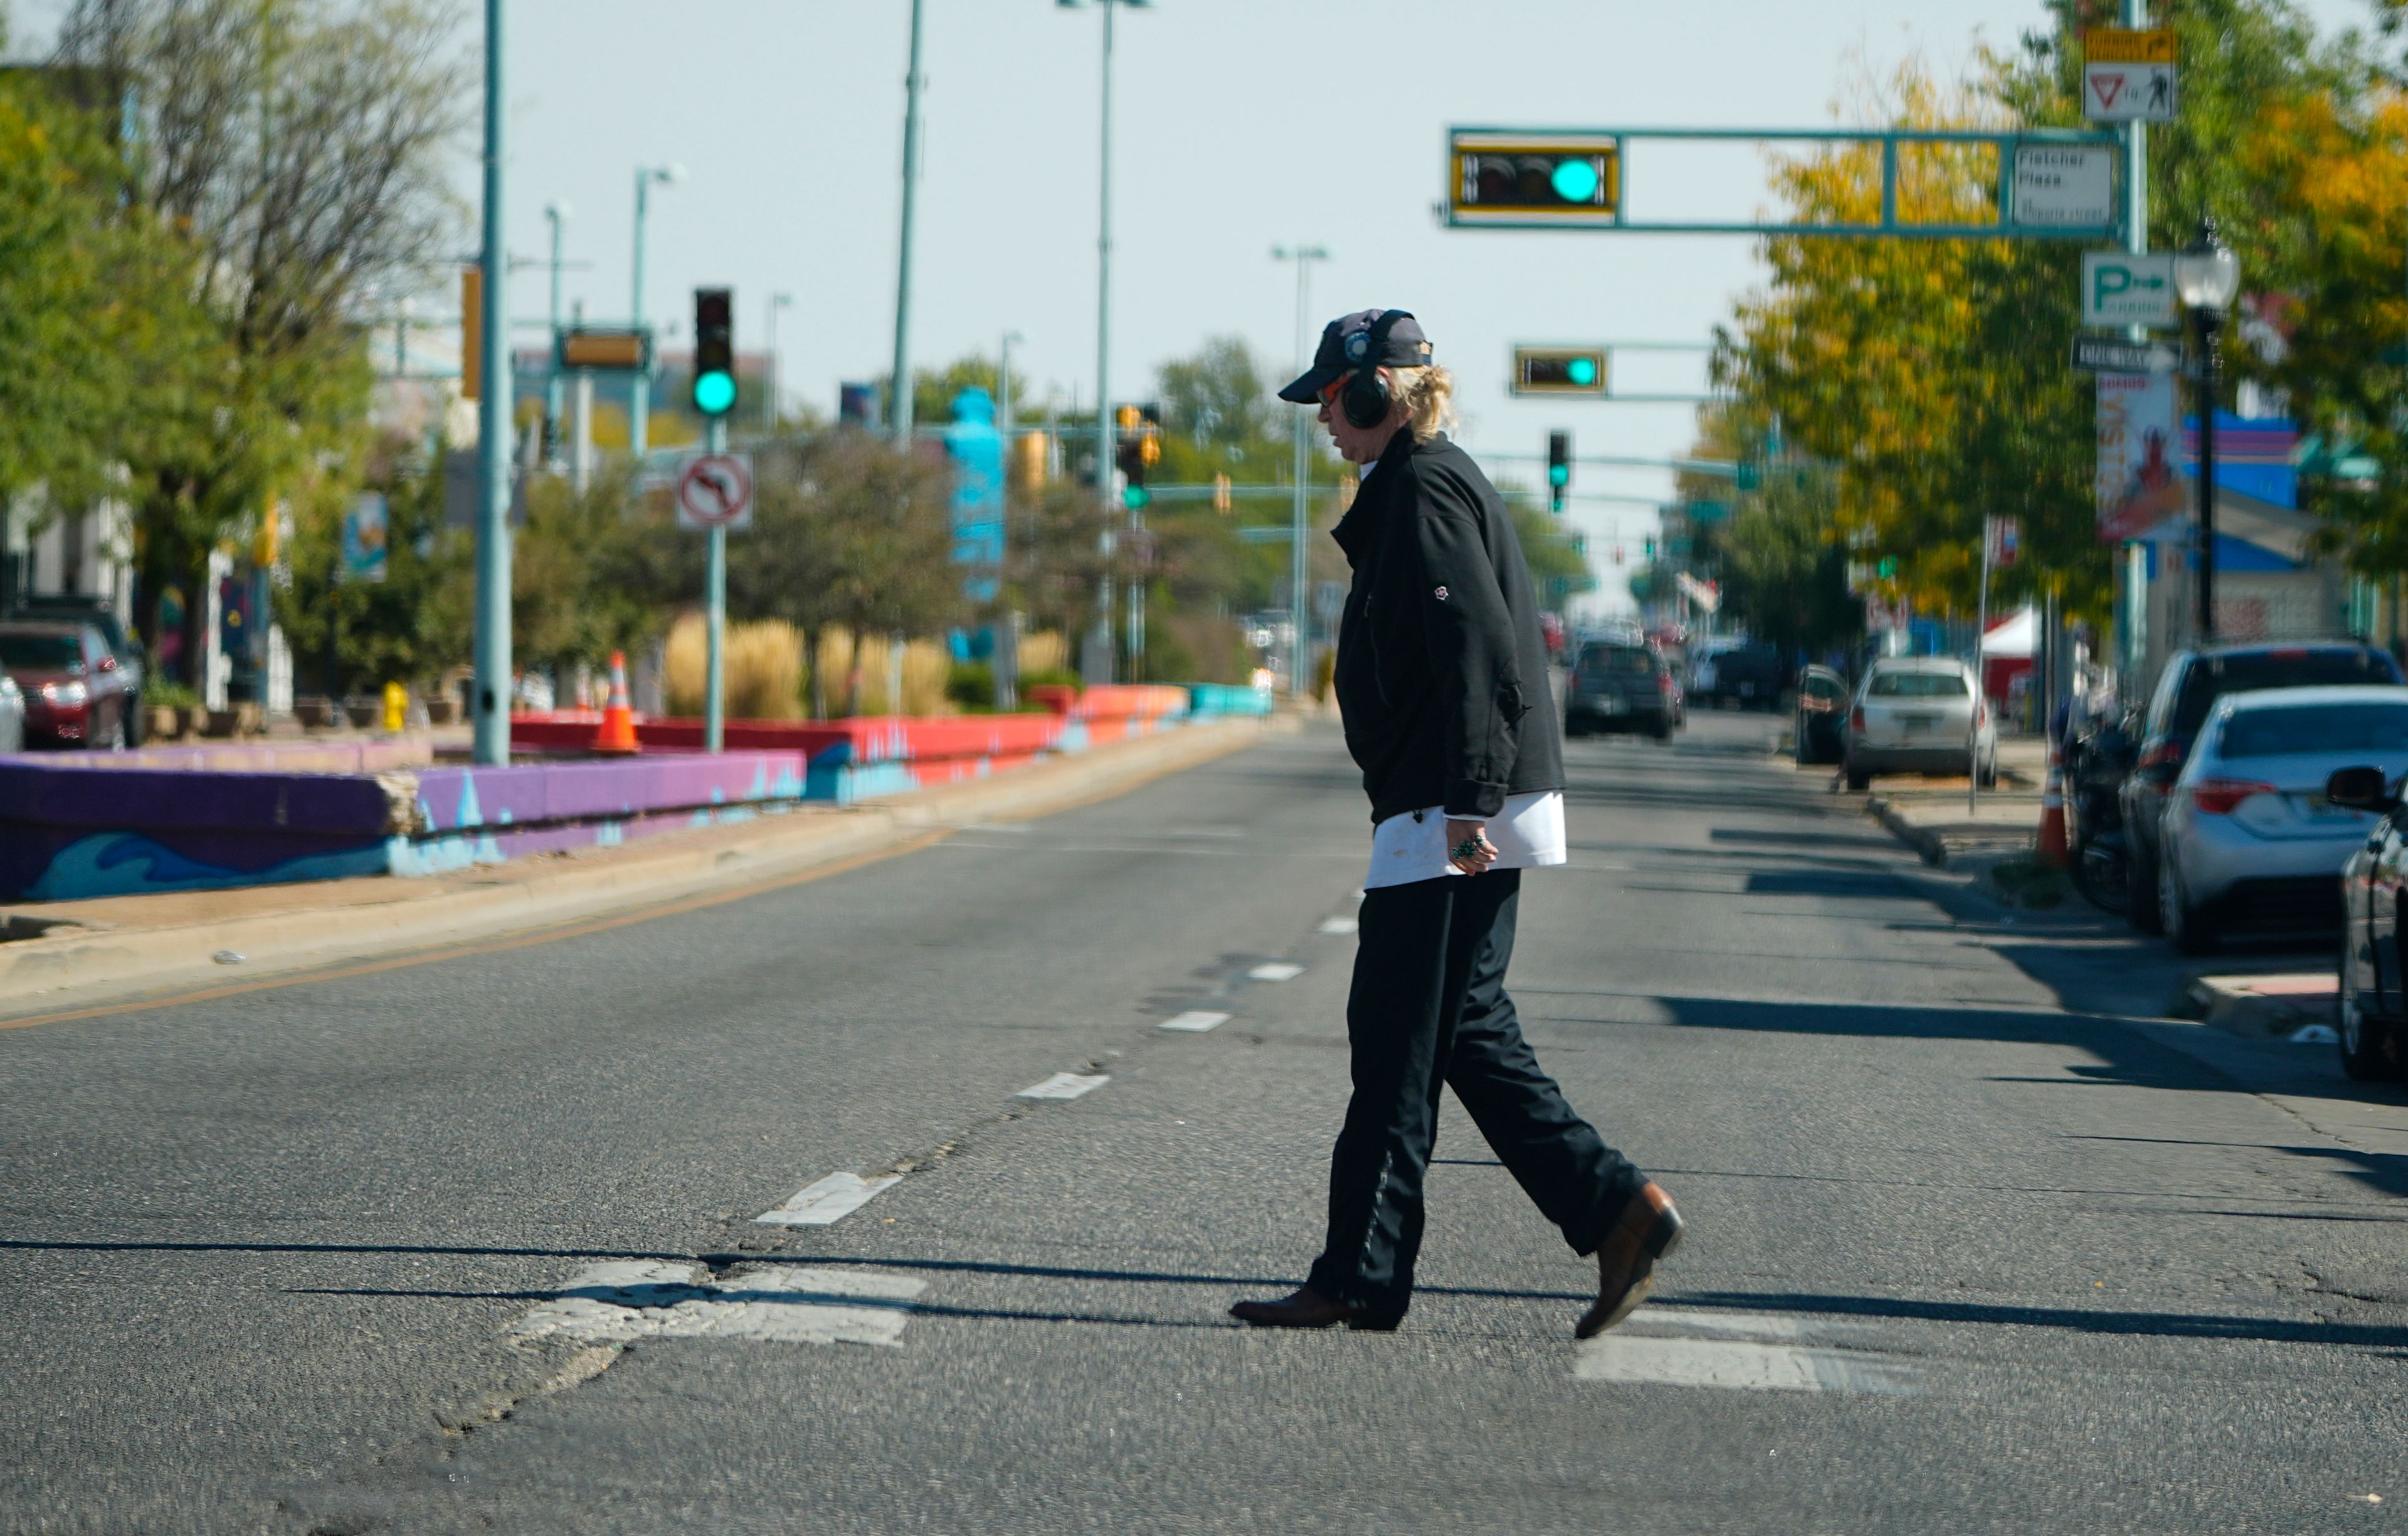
1276	971
782	1304
1196	1020
1063	1086
1749	1352
837	1196
1339	924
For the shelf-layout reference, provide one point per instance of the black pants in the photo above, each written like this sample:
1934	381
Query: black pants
1428	1009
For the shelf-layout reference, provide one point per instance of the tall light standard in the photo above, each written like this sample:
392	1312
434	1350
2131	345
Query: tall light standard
1003	401
557	213
490	707
1101	639
1299	612
769	395
2207	276
899	407
639	401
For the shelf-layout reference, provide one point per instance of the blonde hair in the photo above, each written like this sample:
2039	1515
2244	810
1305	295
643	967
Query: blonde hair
1427	395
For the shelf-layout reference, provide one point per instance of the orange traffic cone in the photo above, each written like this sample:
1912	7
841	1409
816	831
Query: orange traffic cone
2052	814
618	733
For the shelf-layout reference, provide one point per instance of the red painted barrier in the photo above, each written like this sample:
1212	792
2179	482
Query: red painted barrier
869	738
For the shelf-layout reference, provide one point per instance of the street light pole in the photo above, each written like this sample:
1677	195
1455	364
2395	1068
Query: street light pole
898	409
1299	613
769	395
492	704
557	212
2207	277
639	394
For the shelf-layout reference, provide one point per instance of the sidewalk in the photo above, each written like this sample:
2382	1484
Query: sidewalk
79	956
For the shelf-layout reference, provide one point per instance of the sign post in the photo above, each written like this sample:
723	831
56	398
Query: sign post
714	492
2002	541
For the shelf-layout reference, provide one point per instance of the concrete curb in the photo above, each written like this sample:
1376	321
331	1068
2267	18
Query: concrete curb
2258	1007
277	929
1926	843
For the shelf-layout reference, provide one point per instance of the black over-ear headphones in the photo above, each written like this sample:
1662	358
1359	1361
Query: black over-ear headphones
1366	398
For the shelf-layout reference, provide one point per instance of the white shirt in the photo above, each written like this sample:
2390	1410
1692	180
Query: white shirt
1528	833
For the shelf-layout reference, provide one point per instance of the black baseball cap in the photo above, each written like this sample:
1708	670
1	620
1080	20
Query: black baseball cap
1346	347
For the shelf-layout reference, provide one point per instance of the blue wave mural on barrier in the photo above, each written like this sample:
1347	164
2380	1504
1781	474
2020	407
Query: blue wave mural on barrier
131	864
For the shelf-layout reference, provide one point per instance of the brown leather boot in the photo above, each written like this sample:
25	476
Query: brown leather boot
1648	1229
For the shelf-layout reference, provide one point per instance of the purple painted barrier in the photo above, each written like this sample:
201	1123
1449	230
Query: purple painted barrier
68	832
373	756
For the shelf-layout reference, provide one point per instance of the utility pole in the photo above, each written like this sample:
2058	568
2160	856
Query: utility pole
1300	665
1004	420
1104	444
2136	240
492	718
898	409
639	394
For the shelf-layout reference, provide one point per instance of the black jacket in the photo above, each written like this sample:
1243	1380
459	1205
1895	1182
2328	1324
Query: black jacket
1441	671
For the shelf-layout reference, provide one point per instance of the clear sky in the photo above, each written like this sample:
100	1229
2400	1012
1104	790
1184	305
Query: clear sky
1239	124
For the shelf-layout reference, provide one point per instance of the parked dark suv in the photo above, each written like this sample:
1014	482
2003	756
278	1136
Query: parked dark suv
1619	686
1749	678
2186	690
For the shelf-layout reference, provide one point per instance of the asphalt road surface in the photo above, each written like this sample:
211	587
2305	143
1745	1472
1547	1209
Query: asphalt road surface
471	1244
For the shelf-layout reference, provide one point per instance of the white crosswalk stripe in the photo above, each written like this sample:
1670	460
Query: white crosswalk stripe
837	1196
1751	1352
627	1299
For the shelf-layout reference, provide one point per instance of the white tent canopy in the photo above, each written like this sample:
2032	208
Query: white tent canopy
2016	634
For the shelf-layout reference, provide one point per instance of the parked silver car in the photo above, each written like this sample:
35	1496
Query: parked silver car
12	714
1919	714
2247	838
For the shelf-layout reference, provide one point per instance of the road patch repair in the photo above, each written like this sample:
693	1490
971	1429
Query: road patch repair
641	1298
1740	1351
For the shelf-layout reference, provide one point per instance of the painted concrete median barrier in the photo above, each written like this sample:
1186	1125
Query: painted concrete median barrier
70	833
845	761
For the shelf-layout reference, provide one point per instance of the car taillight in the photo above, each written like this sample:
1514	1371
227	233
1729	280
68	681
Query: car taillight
2165	755
1664	683
1856	718
2217	797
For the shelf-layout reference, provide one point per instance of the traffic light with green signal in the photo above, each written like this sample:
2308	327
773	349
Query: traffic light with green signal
1559	370
1139	449
1559	470
1535	179
715	351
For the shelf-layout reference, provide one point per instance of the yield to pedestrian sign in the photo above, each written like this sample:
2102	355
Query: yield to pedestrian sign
2128	75
715	491
2121	289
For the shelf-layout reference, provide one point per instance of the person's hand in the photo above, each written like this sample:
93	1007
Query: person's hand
1467	847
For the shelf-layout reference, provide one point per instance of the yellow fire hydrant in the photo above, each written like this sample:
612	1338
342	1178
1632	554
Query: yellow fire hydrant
397	708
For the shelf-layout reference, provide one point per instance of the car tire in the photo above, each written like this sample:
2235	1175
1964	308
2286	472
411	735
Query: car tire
1574	729
2141	889
2369	1045
2190	931
1858	777
1989	774
133	717
1662	733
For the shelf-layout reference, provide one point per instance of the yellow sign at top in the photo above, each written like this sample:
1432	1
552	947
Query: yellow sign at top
2122	45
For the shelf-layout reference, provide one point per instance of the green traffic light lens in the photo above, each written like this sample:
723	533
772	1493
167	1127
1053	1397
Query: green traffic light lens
1559	474
1134	497
713	393
1580	371
1574	180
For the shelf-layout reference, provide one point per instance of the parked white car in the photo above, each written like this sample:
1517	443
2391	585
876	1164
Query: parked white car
1920	714
2248	839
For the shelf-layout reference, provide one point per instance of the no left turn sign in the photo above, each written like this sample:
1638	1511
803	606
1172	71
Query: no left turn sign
715	491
